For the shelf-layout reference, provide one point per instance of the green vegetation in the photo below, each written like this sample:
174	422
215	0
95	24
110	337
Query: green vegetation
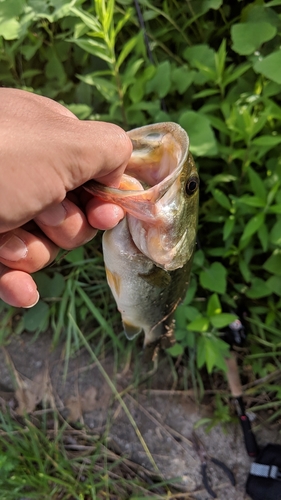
45	465
205	70
215	68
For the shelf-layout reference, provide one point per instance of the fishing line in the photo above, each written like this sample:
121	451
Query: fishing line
145	36
147	45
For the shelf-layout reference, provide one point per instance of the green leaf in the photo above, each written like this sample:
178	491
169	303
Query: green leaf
214	305
222	320
201	353
108	15
82	111
245	270
124	19
257	184
214	278
30	50
137	90
221	198
103	85
221	178
218	124
192	287
180	333
201	135
228	227
76	255
252	226
274	284
275	190
201	7
187	339
9	29
191	313
248	37
252	201
176	350
273	263
180	317
258	289
275	209
182	78
275	233
92	22
9	23
202	421
62	8
263	237
205	93
232	74
199	325
126	50
36	317
54	69
212	351
161	81
93	47
273	3
200	55
49	287
12	8
267	140
199	258
220	57
270	66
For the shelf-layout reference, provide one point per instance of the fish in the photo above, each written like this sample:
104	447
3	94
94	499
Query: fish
148	255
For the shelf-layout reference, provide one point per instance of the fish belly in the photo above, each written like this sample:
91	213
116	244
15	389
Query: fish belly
146	295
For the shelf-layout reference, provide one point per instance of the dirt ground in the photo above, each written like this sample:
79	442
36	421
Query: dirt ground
164	418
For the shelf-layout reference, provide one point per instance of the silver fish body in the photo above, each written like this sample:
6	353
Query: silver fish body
148	255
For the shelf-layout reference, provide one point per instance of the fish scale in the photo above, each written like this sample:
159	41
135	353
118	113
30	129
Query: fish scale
148	255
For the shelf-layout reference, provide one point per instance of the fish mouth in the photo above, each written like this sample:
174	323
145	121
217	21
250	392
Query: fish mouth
159	152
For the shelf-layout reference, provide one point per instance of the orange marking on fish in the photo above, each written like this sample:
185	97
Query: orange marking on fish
114	280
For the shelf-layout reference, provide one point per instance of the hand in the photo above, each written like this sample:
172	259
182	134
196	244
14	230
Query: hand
46	154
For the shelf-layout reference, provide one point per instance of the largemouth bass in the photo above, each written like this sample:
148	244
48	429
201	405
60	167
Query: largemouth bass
148	255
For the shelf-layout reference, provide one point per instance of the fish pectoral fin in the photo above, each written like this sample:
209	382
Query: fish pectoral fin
157	277
131	331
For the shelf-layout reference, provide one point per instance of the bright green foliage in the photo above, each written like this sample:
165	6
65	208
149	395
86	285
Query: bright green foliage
215	68
248	37
201	329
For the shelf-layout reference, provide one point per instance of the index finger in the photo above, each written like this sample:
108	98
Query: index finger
99	150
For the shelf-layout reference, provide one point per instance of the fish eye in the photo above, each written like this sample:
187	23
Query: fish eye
192	185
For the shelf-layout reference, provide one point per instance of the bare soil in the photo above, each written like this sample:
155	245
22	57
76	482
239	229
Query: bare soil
30	372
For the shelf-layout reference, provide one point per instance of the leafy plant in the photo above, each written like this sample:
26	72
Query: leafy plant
213	67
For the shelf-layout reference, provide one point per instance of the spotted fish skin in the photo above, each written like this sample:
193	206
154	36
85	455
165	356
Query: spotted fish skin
148	255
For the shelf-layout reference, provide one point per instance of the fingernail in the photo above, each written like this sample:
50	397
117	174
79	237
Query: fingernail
34	304
13	249
53	216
